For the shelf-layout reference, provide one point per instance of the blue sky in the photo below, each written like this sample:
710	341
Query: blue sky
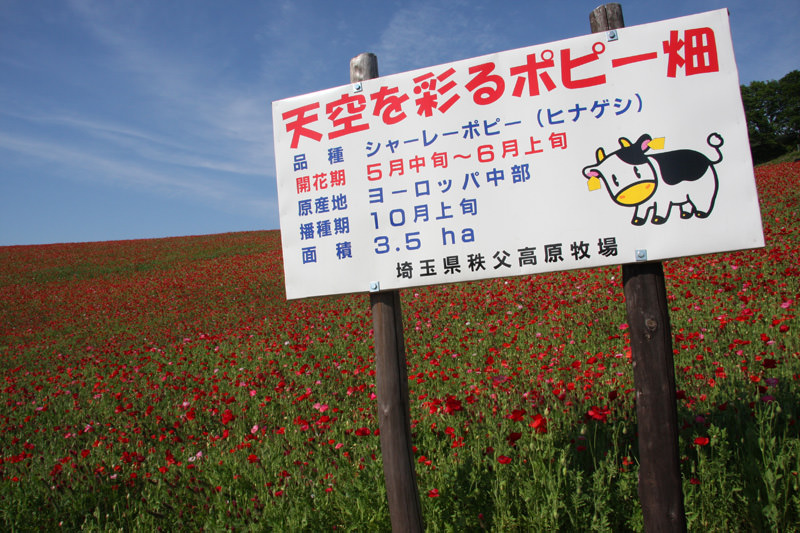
141	119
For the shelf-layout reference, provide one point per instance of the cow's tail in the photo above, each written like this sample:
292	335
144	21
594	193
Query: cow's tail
715	141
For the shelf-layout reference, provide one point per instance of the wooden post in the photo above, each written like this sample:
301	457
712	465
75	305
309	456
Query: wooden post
660	491
393	412
392	382
606	17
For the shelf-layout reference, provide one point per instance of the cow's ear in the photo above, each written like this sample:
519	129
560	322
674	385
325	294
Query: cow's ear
644	142
593	177
600	155
624	143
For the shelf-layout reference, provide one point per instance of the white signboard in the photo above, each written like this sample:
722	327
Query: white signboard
604	149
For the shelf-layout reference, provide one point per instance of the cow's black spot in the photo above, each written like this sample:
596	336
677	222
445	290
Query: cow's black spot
681	165
632	155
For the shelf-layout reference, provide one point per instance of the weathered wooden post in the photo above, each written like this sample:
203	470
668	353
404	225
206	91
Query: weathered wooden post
660	491
392	382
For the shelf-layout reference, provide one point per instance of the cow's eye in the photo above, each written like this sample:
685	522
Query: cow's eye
615	180
638	174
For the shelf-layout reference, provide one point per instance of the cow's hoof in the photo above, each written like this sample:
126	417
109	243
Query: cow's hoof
685	215
700	214
637	221
659	220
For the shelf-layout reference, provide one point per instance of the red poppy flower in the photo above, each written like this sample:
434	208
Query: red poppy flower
452	404
227	416
599	413
539	424
513	437
516	415
504	460
701	441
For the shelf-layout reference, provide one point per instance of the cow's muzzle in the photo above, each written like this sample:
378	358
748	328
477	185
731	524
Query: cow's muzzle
636	193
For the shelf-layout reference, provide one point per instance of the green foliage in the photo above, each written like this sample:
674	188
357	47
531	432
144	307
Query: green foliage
773	116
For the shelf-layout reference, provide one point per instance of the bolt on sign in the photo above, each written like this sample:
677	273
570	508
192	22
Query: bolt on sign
611	148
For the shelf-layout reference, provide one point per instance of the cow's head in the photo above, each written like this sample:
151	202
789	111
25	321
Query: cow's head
627	173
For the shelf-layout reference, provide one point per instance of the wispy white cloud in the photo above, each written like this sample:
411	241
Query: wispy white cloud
184	85
183	120
423	34
150	148
81	163
295	51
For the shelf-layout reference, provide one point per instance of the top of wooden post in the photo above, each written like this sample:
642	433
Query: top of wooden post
363	67
606	17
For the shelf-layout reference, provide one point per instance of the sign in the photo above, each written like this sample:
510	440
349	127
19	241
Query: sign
610	148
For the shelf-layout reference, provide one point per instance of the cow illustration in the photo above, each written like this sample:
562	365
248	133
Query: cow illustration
653	183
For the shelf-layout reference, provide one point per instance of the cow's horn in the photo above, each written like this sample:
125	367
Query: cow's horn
600	154
624	142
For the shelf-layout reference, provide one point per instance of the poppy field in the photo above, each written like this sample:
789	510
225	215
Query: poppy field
167	384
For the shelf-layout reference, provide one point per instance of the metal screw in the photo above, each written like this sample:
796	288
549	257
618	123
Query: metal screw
641	255
374	286
357	87
612	35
